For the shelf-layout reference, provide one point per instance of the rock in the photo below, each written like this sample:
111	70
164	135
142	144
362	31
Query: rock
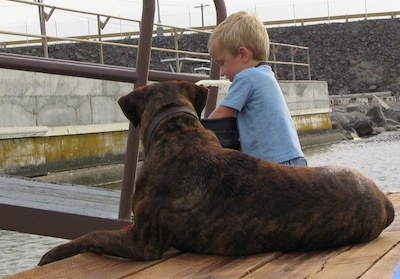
394	114
361	124
379	119
341	120
377	116
355	123
364	128
372	88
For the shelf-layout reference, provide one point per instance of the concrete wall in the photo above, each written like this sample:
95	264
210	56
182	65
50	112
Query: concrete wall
51	123
36	99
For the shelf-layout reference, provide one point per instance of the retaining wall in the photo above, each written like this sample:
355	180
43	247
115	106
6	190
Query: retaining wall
52	123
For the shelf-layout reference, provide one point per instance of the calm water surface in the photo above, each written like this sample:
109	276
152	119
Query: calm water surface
378	157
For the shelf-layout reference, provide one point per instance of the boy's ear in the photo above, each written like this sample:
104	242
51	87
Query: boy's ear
244	53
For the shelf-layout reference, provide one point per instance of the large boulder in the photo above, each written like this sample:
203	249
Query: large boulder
393	114
354	124
377	116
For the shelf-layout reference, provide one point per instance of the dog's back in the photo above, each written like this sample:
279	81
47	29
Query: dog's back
226	202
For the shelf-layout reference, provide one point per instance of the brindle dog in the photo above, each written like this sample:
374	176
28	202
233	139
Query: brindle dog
196	196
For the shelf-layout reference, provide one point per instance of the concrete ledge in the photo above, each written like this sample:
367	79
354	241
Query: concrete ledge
33	156
22	132
44	131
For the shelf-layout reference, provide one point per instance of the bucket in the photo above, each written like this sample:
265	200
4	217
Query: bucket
225	129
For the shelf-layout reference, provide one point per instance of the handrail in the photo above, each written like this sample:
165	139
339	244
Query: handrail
76	39
98	39
346	18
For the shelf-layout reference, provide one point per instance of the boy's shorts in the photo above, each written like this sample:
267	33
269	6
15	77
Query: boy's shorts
299	161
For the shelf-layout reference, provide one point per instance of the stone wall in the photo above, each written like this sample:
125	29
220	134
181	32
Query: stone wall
353	57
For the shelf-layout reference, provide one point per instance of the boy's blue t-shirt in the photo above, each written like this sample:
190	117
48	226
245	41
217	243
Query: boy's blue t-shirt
265	127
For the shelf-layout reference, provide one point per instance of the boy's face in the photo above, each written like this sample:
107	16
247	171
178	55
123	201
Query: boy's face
229	65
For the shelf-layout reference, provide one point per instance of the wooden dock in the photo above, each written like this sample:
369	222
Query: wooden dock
377	259
54	209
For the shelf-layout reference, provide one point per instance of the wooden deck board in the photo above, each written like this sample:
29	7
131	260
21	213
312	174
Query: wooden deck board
91	265
54	209
354	262
376	259
88	201
383	269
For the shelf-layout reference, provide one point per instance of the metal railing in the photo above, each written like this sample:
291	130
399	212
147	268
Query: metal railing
175	32
336	18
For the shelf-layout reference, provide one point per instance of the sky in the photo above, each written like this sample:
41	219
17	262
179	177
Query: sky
23	18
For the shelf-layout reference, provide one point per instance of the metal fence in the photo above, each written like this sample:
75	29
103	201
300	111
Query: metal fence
102	39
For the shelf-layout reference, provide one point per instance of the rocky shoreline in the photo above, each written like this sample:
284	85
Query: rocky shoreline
367	121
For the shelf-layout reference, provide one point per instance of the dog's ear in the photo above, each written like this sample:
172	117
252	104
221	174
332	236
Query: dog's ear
131	105
200	99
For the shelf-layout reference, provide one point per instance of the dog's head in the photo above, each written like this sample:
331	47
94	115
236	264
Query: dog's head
146	101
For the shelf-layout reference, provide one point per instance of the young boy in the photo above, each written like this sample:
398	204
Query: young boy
240	46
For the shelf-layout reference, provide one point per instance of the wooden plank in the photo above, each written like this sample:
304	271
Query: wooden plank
296	265
384	268
349	262
190	265
60	210
91	265
354	262
381	102
75	199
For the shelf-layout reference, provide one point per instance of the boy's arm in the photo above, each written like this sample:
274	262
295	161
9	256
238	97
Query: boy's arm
222	111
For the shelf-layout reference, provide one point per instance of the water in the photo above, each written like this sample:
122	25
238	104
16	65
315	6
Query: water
20	251
378	157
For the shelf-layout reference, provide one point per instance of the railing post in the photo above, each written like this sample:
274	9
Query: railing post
176	45
274	50
100	26
42	19
308	63
293	51
100	40
214	71
132	149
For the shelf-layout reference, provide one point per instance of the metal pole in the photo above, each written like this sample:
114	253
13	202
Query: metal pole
329	15
132	149
202	13
100	40
294	13
214	73
160	31
42	21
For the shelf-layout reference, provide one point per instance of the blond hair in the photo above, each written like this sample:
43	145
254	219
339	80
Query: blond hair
242	29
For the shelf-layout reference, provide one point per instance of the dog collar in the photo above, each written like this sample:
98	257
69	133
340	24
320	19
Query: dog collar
161	115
